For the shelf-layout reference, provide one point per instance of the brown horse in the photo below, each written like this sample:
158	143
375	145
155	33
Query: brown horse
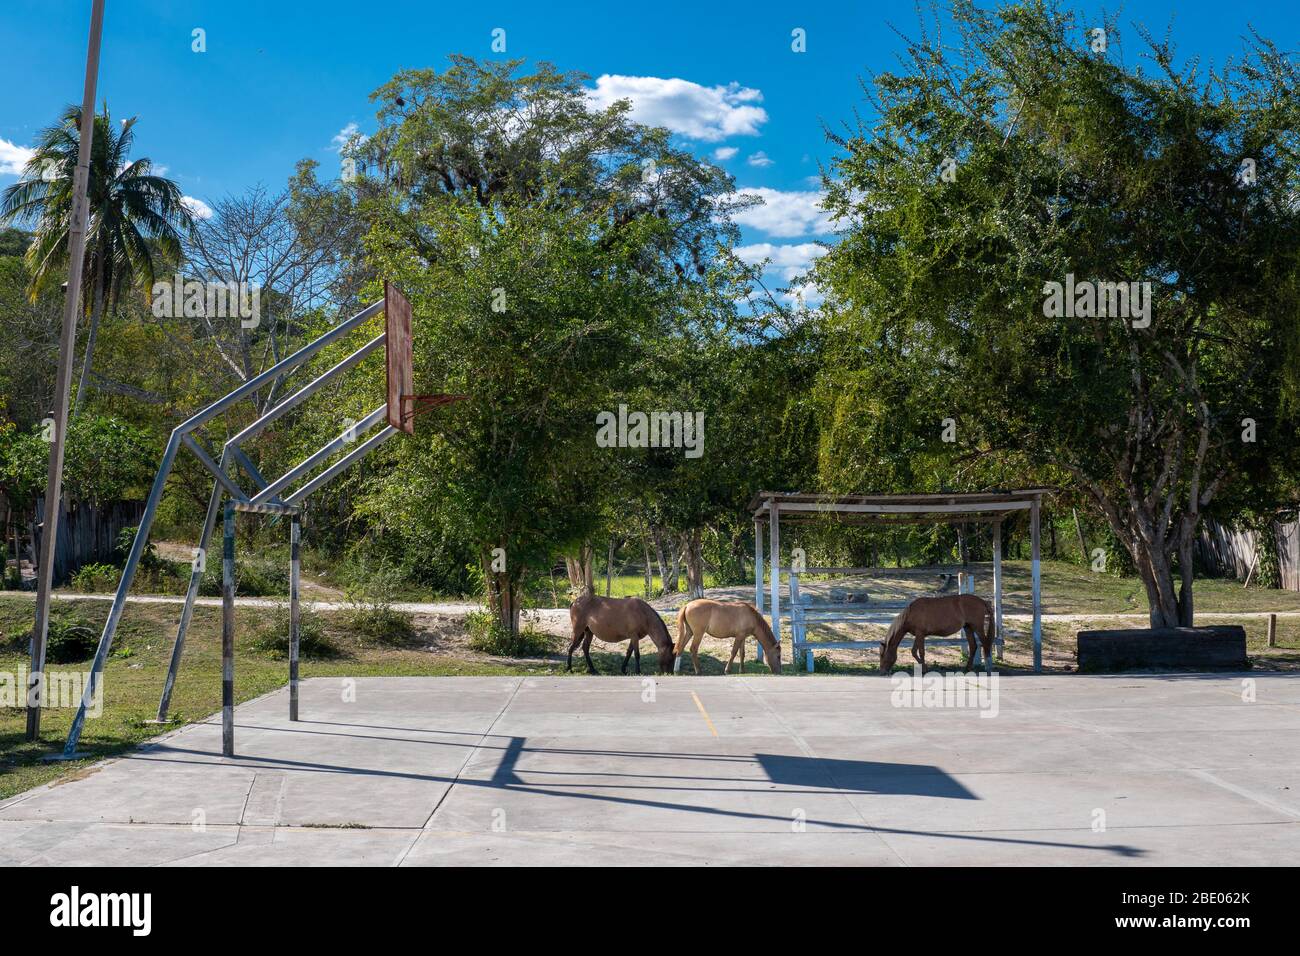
734	619
618	619
939	617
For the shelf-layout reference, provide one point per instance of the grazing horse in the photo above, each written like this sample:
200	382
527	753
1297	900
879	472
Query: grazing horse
939	617
618	619
734	619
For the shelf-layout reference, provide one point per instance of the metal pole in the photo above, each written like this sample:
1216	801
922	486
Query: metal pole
228	634
1038	584
67	345
774	566
758	567
295	533
997	587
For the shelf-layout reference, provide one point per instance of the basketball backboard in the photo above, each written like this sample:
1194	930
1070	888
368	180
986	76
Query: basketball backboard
400	364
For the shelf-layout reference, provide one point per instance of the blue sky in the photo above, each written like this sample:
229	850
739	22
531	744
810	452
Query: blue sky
280	80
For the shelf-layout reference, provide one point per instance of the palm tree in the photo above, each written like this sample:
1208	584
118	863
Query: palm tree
137	219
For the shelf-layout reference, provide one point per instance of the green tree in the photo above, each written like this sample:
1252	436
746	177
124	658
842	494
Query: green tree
137	219
547	250
1023	151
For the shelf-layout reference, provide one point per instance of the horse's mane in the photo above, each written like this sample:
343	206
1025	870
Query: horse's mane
765	629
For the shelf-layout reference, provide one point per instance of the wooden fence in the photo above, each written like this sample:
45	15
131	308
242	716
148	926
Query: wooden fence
89	533
1230	552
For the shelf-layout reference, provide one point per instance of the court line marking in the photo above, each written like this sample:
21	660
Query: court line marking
704	713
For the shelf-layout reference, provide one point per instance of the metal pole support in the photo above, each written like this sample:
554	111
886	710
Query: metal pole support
295	531
228	634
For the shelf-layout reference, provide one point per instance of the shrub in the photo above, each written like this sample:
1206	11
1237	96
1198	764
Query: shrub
487	636
69	640
253	577
96	578
273	636
372	597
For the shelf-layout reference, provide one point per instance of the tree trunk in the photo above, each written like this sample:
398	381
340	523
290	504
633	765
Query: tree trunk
609	567
1083	545
693	552
96	310
649	572
581	577
667	571
504	598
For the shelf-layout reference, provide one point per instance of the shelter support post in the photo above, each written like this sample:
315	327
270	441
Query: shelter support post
774	569
997	588
758	565
228	634
1034	522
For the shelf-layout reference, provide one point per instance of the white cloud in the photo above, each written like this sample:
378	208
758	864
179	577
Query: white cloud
760	159
785	215
724	153
197	207
707	113
346	135
789	261
13	158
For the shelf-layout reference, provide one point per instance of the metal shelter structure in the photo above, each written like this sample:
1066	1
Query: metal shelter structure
269	495
987	507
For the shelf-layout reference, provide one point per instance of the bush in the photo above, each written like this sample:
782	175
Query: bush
69	641
253	577
96	578
487	636
372	598
273	636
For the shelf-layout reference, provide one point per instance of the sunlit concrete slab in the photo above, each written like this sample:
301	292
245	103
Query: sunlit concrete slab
1063	770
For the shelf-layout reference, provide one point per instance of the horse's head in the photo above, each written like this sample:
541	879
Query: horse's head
888	655
893	637
667	659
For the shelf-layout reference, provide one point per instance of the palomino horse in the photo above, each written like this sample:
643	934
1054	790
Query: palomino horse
734	619
618	619
939	617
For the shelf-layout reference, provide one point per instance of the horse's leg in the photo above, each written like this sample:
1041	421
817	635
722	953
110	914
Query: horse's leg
628	656
586	652
986	641
735	646
741	641
918	650
970	648
695	650
578	634
636	649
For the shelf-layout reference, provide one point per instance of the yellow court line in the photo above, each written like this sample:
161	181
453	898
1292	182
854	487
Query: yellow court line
705	714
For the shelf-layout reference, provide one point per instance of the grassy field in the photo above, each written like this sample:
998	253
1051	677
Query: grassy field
437	646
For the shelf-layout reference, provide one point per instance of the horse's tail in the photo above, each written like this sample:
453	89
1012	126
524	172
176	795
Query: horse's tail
990	624
683	629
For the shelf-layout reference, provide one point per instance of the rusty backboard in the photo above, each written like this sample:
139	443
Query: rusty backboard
400	364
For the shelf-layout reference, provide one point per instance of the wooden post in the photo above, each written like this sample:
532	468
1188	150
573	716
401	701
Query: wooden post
1036	559
774	567
997	586
609	567
228	634
295	619
67	346
1272	630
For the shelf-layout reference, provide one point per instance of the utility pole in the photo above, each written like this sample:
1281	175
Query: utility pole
67	345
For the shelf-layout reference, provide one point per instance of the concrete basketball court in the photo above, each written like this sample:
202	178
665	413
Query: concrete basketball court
685	770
